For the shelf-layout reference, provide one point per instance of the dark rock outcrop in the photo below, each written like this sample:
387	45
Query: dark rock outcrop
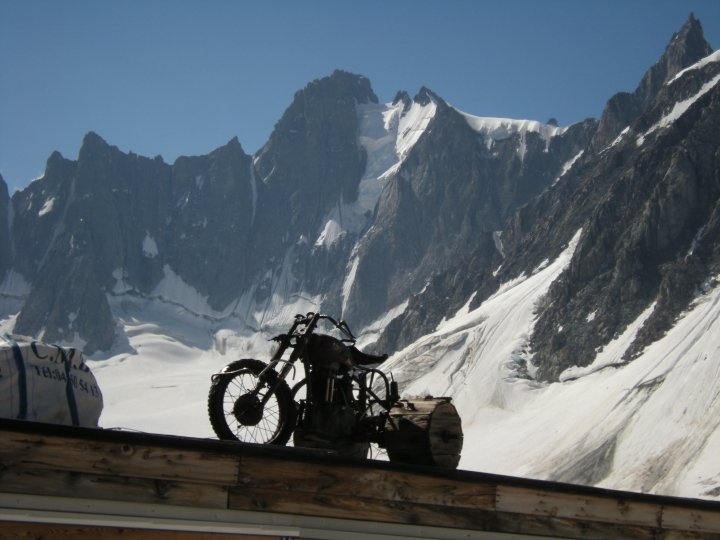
684	49
5	245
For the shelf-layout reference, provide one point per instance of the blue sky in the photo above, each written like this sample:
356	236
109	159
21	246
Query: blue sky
182	77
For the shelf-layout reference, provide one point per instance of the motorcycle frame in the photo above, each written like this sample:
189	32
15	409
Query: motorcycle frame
303	326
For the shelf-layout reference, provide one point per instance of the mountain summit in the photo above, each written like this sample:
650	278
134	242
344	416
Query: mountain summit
685	48
354	205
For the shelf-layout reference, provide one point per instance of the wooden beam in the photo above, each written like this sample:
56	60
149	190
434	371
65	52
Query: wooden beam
344	479
577	506
693	520
42	452
76	463
111	487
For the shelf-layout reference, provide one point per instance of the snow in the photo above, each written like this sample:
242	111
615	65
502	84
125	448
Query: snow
377	134
656	417
387	133
172	288
617	139
47	207
160	385
650	415
471	350
371	332
349	279
497	240
679	109
568	165
330	233
709	59
149	247
498	129
613	353
13	291
411	125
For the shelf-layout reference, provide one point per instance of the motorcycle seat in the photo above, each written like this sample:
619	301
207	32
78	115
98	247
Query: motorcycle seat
364	359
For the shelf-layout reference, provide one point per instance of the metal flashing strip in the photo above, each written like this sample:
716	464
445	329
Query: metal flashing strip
97	513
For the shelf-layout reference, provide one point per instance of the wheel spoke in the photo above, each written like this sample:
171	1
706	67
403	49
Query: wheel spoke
237	410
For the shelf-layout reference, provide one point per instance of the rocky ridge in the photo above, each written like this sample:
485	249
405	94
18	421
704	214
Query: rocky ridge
412	208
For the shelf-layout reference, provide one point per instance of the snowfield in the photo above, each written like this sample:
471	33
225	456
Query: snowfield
651	425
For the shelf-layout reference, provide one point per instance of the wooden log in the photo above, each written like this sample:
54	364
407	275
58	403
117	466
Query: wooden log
424	432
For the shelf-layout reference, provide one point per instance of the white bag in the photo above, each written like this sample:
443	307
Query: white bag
47	383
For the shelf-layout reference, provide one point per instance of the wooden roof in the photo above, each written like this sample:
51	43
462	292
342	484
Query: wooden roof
102	483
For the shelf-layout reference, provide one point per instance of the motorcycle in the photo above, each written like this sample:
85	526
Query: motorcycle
343	404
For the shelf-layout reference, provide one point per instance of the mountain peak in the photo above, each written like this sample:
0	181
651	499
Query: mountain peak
91	138
425	96
92	145
402	97
55	156
343	83
686	47
234	144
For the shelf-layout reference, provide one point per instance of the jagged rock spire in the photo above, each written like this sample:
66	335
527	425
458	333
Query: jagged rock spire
686	47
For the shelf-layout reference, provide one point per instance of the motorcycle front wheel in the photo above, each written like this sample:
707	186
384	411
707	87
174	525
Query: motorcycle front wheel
235	404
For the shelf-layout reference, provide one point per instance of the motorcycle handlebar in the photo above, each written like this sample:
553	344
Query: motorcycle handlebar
310	316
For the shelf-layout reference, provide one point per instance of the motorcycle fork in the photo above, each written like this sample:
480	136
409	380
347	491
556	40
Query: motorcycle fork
284	372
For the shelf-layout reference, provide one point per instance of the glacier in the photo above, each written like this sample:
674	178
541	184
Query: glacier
640	426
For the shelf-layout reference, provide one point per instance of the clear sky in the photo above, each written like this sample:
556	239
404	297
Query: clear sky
182	77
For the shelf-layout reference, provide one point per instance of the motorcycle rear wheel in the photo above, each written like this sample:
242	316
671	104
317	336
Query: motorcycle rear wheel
236	411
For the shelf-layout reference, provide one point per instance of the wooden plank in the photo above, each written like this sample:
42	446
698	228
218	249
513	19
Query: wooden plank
333	479
575	506
685	535
356	508
376	510
36	531
32	481
690	519
561	527
112	458
153	470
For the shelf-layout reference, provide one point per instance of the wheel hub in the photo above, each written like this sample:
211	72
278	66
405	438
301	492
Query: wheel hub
248	410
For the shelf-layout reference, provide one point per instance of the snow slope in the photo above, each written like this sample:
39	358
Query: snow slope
387	133
641	426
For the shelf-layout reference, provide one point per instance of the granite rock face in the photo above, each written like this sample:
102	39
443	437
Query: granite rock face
112	222
413	208
5	246
684	49
645	194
